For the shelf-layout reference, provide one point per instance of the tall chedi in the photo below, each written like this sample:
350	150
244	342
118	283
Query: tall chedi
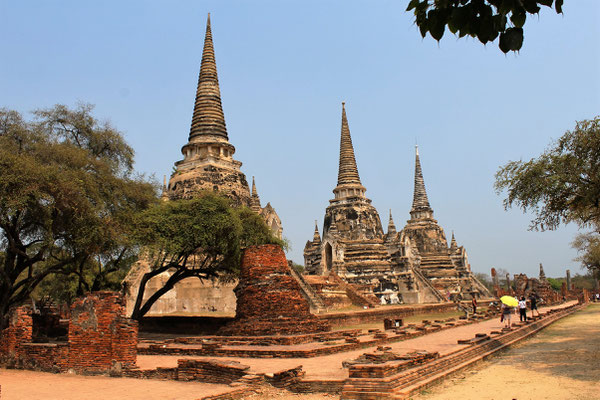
422	228
207	165
446	267
349	219
208	162
354	216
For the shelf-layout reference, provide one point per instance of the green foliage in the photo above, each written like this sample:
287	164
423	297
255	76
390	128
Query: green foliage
580	281
68	198
588	247
560	186
481	19
201	237
556	284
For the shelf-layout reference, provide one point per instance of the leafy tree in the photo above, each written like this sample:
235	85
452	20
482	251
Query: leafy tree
68	198
560	186
201	237
556	284
481	19
588	247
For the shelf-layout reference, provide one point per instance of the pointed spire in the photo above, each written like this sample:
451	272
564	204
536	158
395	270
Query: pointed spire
453	244
316	236
208	118
254	192
255	200
420	206
391	225
348	185
542	274
348	172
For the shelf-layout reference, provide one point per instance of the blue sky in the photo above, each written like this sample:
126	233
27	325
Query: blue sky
285	67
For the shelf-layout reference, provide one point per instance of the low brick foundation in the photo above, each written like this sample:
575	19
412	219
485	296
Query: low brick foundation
387	312
211	371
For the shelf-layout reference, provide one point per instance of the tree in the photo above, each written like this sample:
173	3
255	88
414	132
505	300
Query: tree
560	186
201	237
588	247
481	19
68	198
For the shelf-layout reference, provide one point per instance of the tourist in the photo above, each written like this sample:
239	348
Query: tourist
533	303
474	304
523	309
506	315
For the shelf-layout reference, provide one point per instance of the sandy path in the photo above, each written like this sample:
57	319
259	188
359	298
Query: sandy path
561	362
30	385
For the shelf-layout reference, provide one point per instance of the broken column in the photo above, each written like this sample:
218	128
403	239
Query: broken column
568	279
100	337
269	299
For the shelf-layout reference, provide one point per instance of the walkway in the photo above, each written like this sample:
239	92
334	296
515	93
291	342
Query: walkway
330	367
558	363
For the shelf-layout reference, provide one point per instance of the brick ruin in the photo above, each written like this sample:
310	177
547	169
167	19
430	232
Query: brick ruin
521	285
415	265
207	165
269	298
99	340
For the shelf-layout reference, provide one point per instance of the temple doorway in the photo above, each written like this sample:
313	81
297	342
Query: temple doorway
328	257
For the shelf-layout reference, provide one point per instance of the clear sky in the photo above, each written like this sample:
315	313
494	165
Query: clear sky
284	69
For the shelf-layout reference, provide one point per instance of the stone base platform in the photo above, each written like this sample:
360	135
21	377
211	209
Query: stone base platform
298	346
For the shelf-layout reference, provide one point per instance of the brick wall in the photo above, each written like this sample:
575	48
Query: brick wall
19	331
99	337
99	334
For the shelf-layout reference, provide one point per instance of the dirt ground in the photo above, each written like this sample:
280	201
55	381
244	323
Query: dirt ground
561	362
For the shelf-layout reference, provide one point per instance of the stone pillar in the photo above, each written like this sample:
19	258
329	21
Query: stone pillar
508	282
568	279
563	289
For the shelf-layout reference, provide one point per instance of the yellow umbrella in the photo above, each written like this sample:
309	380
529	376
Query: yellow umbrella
509	301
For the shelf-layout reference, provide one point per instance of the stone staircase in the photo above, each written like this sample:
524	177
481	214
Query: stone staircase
355	295
426	282
314	300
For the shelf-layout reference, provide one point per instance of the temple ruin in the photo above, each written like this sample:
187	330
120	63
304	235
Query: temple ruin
207	165
415	265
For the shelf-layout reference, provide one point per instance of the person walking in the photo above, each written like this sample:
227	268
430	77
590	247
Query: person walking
533	303
506	315
523	309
